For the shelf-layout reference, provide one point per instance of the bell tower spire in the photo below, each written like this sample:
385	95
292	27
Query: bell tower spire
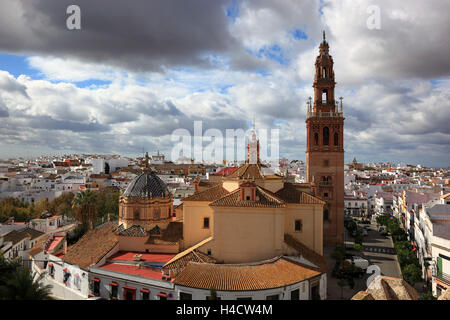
325	146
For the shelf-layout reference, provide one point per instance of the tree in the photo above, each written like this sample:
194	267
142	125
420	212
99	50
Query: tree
359	237
62	205
74	235
17	283
342	283
107	203
427	296
212	294
412	274
339	253
85	205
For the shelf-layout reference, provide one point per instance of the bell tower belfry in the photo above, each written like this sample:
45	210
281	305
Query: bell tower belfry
325	146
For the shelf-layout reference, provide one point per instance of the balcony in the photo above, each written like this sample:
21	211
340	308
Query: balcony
312	114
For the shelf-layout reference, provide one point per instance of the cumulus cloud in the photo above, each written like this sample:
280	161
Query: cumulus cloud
159	66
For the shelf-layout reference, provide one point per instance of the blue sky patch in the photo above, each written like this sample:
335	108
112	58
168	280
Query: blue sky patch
299	34
17	65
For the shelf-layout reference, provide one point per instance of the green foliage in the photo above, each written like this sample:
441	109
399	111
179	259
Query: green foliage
358	247
427	296
62	205
76	234
212	294
342	283
12	207
107	202
85	204
412	274
383	220
359	237
17	283
338	253
351	226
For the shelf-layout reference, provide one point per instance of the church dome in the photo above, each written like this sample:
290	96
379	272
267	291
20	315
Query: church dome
147	185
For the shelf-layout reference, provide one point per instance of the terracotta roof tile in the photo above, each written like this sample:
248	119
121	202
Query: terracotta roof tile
92	246
133	231
248	171
173	262
291	194
307	253
210	194
266	199
274	273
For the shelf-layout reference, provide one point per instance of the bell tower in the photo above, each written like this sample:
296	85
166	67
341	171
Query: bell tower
325	146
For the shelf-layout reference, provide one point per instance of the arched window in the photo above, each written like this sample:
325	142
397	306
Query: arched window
324	96
336	139
324	73
316	139
326	136
156	215
136	215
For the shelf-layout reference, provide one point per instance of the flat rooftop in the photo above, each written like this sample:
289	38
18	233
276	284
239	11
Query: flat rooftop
145	257
134	270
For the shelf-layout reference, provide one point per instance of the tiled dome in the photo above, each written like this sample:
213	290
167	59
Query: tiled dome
147	185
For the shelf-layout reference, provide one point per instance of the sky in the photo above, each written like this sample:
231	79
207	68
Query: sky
136	72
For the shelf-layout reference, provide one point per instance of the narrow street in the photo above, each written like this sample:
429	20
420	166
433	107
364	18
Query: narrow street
378	249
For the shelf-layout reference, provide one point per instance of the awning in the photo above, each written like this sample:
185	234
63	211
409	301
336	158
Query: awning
96	280
162	294
129	288
145	290
113	284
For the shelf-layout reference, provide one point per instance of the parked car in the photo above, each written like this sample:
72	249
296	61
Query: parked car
359	262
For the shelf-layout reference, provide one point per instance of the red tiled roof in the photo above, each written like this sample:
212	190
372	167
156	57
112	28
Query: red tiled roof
133	270
179	259
266	198
92	246
248	171
225	171
274	273
210	194
148	257
55	241
291	194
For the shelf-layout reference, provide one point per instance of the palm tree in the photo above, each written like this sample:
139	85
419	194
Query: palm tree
22	285
85	204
